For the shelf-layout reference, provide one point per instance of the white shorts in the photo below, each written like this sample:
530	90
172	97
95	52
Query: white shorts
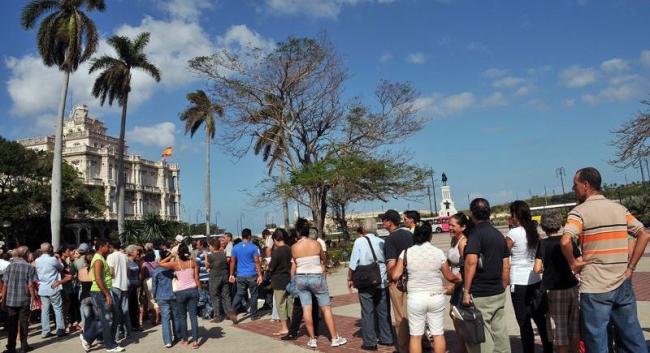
426	308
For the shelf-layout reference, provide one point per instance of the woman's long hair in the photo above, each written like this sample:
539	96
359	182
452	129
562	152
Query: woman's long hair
521	212
183	252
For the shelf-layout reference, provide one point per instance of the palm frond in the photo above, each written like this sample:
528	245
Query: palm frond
35	9
141	41
150	69
89	32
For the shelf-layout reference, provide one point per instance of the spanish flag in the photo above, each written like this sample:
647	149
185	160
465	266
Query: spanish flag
167	152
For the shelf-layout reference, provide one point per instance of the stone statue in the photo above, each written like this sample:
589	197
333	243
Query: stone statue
444	179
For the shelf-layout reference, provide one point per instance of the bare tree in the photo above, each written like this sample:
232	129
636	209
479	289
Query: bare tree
288	105
630	141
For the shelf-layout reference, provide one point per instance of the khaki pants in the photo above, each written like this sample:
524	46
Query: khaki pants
496	337
400	316
284	303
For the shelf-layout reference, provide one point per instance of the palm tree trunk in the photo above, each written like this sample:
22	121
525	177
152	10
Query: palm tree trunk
120	171
285	200
55	208
207	183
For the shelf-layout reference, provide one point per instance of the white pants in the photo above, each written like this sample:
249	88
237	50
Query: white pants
426	308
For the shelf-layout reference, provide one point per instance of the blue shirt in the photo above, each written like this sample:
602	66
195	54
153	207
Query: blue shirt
48	270
161	283
245	253
361	255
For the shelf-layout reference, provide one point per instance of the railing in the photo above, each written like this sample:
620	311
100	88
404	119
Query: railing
36	140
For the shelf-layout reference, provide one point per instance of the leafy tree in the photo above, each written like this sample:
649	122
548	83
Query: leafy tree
114	83
290	101
201	112
66	37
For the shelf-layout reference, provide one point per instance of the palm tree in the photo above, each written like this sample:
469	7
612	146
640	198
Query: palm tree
66	37
201	112
272	144
114	83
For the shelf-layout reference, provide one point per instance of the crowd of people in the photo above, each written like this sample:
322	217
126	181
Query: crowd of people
105	290
573	280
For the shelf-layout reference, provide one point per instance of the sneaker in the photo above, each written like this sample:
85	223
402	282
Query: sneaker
84	343
339	341
116	349
312	343
168	345
289	337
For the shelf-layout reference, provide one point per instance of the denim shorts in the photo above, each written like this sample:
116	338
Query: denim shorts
316	284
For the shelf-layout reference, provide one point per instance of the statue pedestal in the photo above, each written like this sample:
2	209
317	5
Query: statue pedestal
447	207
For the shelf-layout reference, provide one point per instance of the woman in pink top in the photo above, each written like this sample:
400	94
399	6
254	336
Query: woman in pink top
186	287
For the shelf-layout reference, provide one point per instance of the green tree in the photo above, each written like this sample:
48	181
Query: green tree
66	37
202	111
114	83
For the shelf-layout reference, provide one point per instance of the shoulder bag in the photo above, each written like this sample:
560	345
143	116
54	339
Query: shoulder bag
367	276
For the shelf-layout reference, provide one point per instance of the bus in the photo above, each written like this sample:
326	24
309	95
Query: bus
440	224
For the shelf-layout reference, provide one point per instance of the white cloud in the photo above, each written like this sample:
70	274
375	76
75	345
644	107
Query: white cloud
569	103
189	10
494	73
240	37
496	99
589	98
329	9
386	57
478	47
416	58
158	135
614	65
525	90
439	105
645	58
576	76
508	81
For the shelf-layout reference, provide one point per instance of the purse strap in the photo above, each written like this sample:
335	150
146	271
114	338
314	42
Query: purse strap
371	248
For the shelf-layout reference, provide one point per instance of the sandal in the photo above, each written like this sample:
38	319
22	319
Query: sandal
280	333
196	345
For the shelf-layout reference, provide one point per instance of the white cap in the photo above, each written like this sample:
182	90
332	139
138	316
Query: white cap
179	238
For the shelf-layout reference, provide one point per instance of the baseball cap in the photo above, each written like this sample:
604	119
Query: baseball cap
391	215
179	238
83	248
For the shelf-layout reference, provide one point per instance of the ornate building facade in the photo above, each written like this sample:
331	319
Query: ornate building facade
151	186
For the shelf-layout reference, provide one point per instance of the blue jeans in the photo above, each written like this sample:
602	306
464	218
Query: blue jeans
166	309
375	321
121	313
619	306
105	324
186	303
245	283
56	302
86	310
316	284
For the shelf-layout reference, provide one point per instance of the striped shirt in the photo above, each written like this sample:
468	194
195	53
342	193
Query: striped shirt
601	227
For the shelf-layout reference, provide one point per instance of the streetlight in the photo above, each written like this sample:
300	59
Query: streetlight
561	173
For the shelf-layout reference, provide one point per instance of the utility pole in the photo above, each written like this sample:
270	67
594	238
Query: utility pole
430	204
646	168
642	173
433	187
545	196
561	173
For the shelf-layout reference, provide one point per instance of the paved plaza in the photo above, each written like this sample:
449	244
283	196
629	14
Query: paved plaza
258	336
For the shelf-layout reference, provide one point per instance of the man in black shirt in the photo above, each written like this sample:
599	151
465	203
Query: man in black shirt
398	240
485	283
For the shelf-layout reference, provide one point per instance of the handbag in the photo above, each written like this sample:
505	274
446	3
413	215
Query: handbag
470	324
291	288
402	281
367	276
539	302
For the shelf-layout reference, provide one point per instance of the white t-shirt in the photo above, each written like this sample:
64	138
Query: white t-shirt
424	263
117	262
322	244
522	259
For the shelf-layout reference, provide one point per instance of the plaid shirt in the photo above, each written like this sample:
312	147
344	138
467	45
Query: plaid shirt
17	277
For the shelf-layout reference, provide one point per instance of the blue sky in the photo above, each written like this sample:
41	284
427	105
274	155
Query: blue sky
513	89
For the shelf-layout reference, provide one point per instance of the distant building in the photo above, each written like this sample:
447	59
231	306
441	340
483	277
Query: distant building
151	186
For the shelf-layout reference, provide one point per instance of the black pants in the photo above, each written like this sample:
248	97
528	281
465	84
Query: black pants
17	317
522	303
297	314
220	294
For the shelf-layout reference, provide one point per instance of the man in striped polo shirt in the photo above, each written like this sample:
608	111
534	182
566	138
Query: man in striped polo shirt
601	227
